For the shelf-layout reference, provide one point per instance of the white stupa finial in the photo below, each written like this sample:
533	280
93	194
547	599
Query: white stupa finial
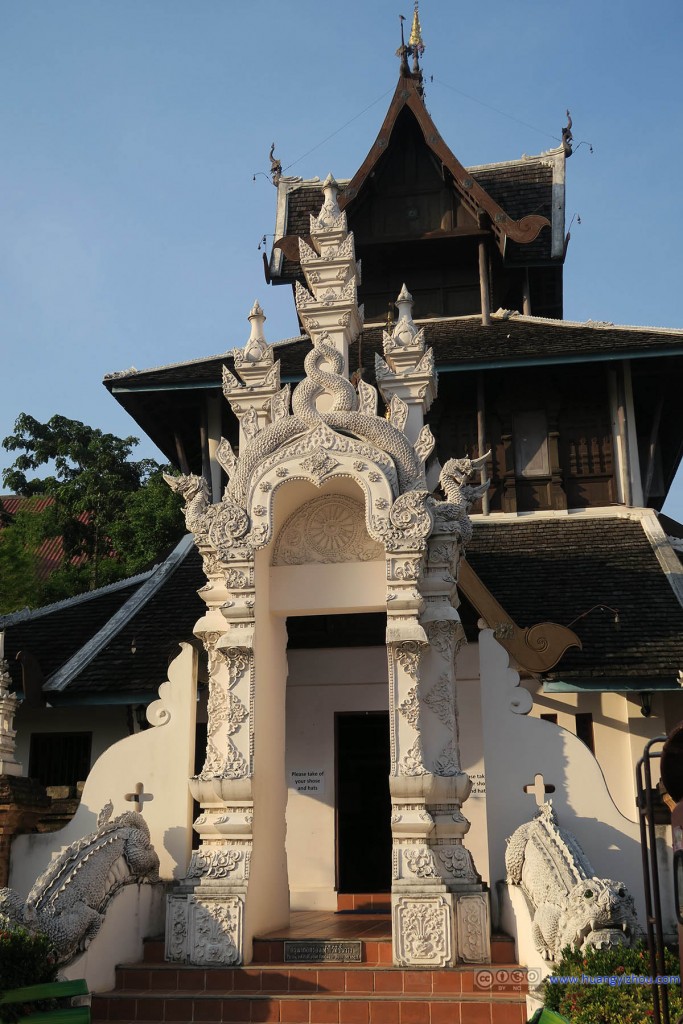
404	305
256	347
330	216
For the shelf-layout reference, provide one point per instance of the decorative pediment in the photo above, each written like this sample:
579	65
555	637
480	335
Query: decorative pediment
325	530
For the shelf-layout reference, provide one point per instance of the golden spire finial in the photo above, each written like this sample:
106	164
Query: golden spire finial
416	41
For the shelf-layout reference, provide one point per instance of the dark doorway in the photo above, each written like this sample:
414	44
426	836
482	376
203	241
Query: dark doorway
363	802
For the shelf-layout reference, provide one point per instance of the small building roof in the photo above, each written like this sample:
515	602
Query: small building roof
560	567
113	644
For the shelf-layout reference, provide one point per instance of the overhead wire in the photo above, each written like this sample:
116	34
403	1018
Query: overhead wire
338	130
436	81
489	106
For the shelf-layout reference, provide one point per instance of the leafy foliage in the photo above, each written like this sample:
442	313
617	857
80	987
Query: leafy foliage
620	1001
26	958
19	579
115	515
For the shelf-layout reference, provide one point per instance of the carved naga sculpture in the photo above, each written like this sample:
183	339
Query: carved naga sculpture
68	901
195	493
460	493
570	906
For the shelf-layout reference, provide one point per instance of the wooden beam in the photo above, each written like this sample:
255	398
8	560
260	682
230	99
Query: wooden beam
623	437
183	464
537	648
484	285
526	294
481	438
652	447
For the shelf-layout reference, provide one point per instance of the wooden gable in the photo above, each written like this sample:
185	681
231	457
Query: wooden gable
398	127
409	194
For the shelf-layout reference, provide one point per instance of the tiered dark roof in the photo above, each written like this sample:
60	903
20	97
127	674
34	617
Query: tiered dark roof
122	661
55	633
135	660
458	343
560	568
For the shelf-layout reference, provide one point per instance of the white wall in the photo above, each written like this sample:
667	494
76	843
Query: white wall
472	754
517	747
322	682
620	733
161	758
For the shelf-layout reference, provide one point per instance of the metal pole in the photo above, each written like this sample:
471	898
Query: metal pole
649	918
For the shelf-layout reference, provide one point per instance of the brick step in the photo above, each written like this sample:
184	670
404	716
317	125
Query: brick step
315	979
373	951
135	1007
271	951
364	902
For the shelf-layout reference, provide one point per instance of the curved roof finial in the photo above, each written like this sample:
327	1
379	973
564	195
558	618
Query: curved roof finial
416	41
414	49
403	50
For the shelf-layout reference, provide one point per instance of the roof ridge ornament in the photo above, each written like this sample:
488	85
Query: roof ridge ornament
567	137
414	49
330	217
256	349
405	335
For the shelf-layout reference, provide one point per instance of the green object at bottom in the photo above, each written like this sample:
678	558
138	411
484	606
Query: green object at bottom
50	990
545	1016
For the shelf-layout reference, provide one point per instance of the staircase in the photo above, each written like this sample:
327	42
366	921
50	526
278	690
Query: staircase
271	992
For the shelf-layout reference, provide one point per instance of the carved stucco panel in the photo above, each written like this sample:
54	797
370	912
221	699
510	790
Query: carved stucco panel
422	931
441	700
326	530
472	928
176	929
410	708
217	863
216	930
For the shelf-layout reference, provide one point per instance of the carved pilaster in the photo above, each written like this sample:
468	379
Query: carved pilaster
204	920
432	868
407	371
256	397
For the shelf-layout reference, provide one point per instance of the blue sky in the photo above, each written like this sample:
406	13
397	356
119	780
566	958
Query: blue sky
131	129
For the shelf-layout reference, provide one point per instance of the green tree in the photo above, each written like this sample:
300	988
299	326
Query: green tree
19	580
114	514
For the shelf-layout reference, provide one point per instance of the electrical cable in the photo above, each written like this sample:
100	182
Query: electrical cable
345	125
502	113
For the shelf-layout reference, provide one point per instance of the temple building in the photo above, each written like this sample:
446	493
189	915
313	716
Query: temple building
435	587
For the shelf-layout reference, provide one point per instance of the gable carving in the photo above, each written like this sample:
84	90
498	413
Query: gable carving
326	530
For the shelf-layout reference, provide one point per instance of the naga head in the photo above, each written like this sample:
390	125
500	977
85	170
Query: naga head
187	486
461	470
600	913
